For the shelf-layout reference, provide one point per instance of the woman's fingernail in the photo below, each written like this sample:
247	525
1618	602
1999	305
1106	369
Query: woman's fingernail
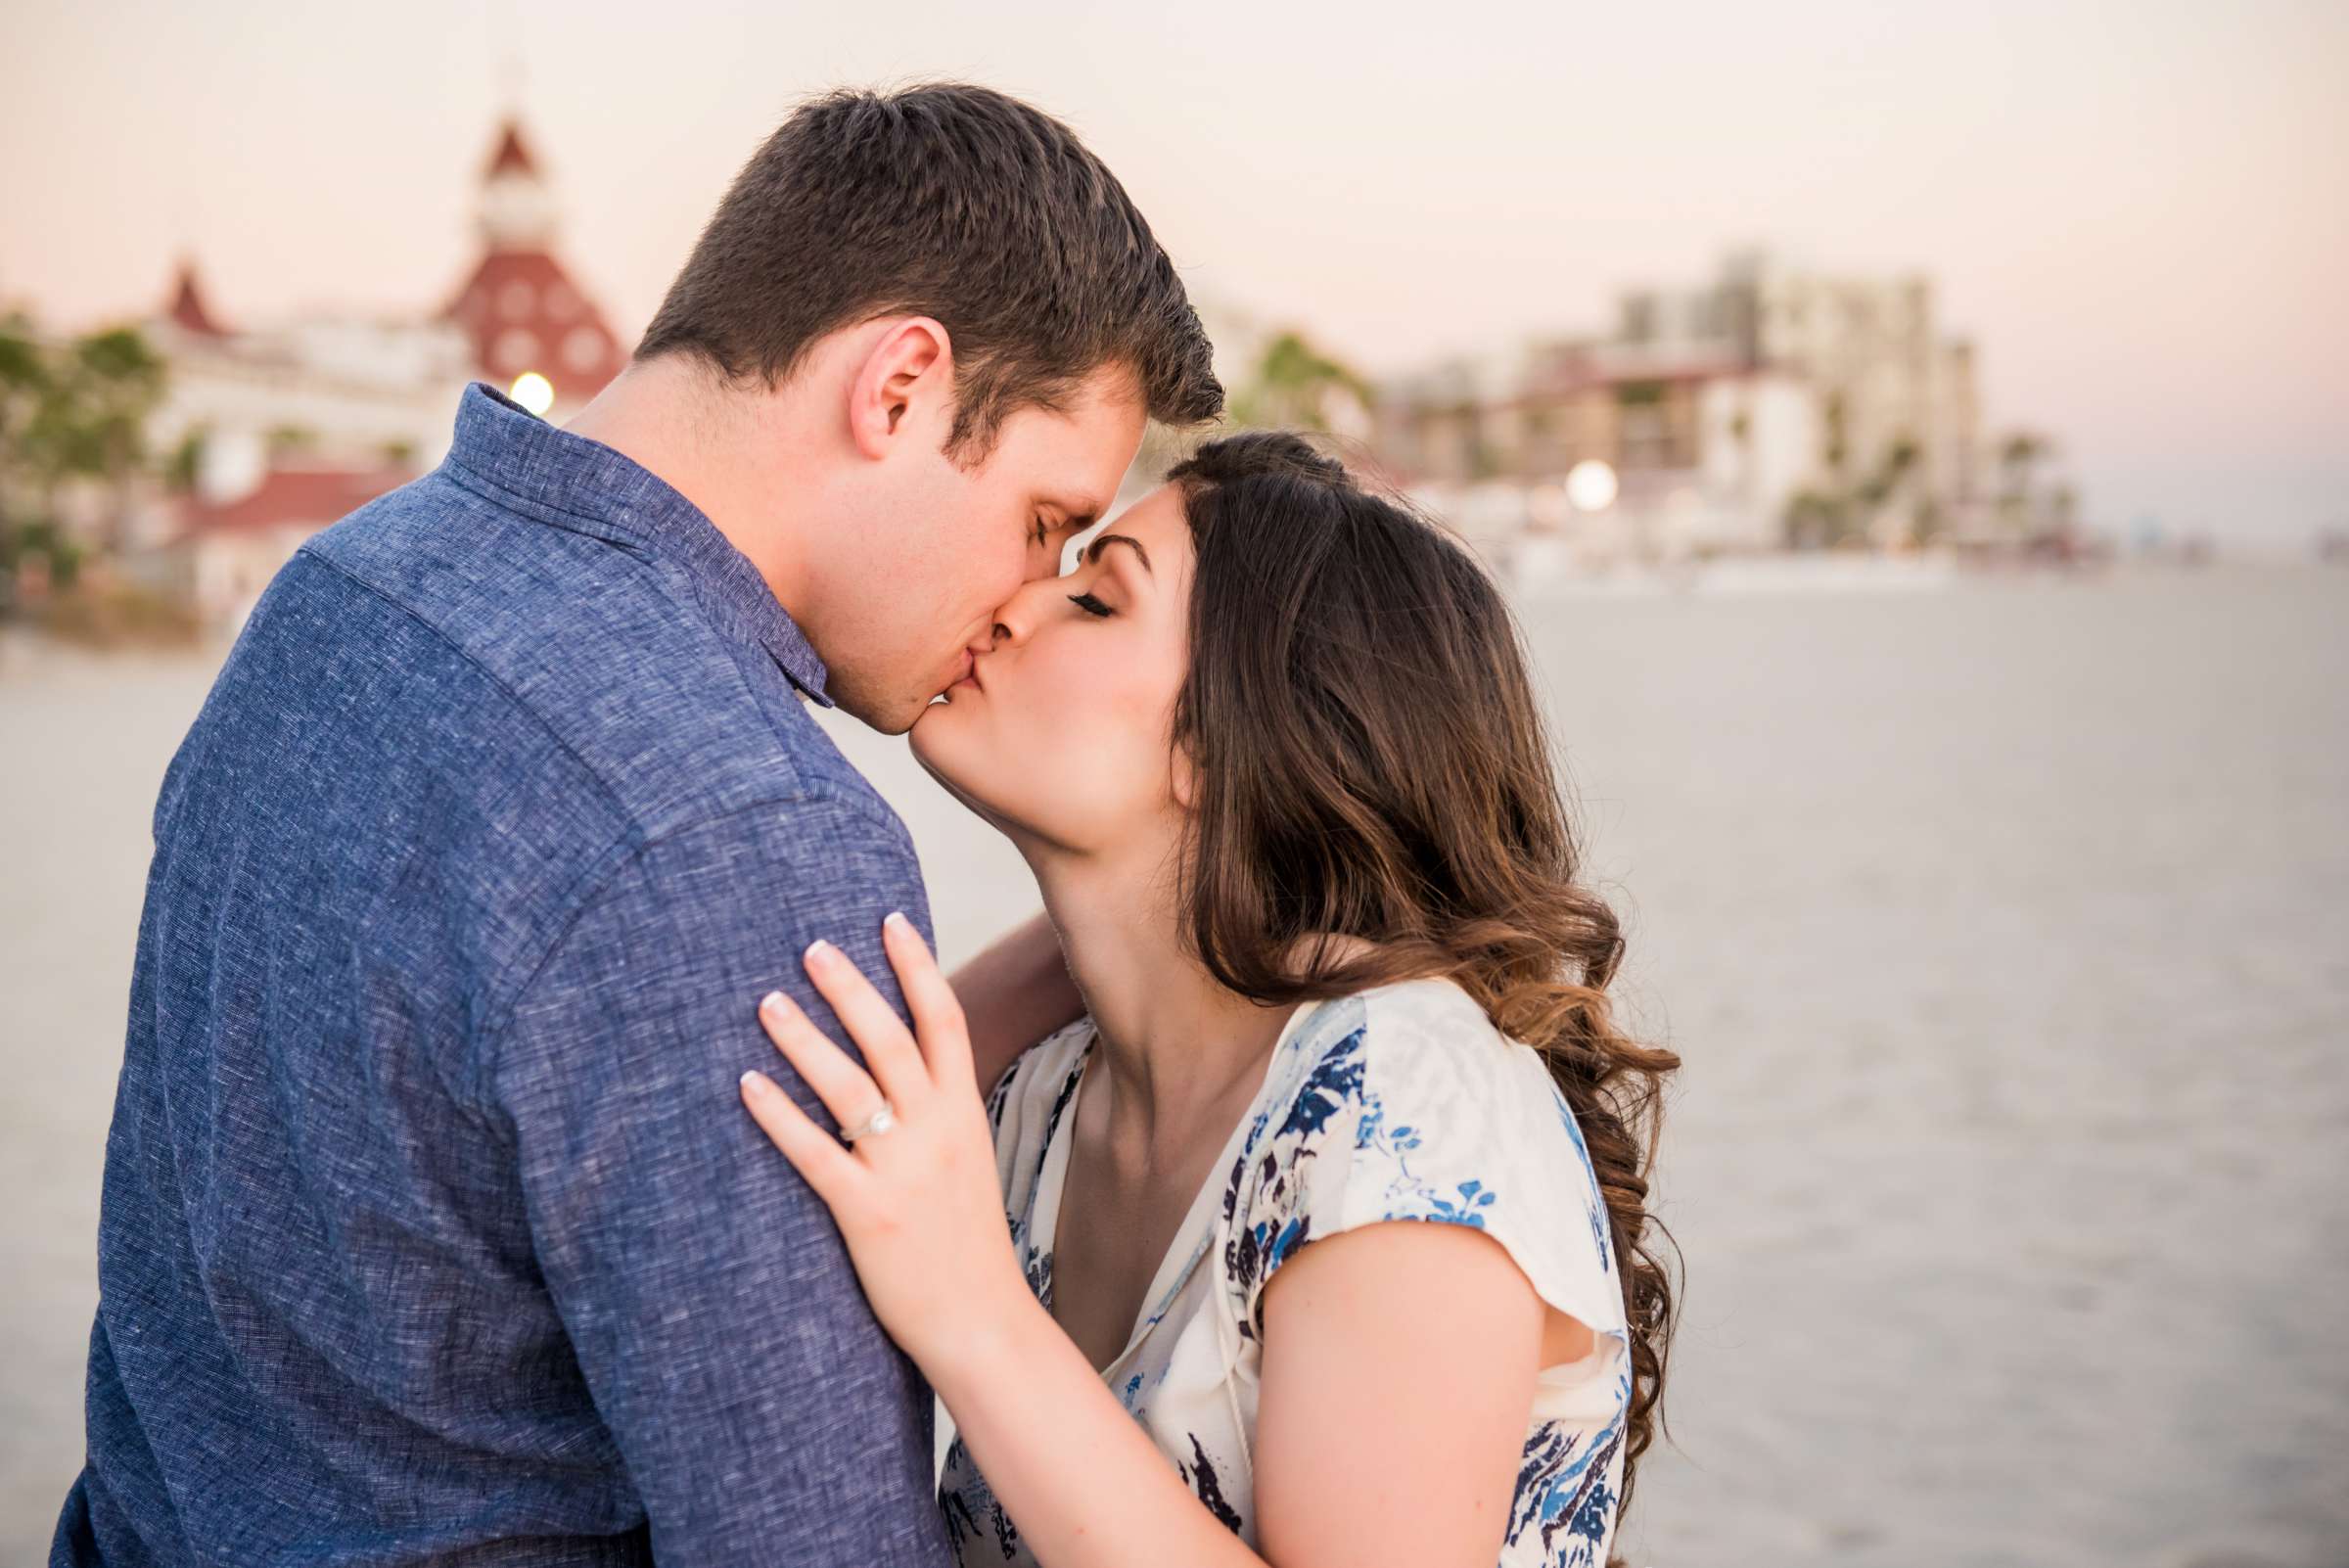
897	918
771	1002
817	950
756	1083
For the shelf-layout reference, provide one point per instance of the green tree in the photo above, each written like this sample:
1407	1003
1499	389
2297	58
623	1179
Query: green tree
290	439
1293	384
1900	461
184	465
2019	456
1837	446
90	420
1818	520
23	383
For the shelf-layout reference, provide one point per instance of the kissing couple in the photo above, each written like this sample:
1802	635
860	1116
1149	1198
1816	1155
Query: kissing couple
545	1136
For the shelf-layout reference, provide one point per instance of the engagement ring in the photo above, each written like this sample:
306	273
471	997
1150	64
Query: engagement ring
879	1122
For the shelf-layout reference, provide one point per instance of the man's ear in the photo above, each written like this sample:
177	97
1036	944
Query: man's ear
909	374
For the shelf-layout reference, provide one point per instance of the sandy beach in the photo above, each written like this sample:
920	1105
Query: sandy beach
2000	928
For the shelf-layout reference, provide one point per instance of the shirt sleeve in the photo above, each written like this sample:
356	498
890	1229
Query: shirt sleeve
763	1413
1424	1113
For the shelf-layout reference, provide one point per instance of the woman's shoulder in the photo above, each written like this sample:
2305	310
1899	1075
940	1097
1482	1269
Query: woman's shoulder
1428	1044
1404	1101
1433	1019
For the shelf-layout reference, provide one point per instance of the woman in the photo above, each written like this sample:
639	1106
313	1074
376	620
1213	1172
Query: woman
1273	757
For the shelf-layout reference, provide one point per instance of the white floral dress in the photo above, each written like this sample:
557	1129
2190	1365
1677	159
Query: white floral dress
1402	1102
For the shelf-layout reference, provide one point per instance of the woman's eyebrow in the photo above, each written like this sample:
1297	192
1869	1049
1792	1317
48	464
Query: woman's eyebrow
1093	551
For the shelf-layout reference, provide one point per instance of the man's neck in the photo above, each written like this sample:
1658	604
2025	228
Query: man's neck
668	415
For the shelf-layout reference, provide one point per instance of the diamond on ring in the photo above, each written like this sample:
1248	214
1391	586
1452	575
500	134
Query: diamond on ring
881	1121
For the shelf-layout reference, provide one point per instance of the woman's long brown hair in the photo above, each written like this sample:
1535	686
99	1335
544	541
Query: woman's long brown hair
1372	762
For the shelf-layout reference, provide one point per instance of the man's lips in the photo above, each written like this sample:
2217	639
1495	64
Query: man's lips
970	673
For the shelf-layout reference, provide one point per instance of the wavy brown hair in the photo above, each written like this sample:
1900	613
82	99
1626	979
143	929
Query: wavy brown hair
1372	762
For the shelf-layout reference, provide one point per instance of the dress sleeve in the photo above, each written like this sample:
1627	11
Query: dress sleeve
1425	1113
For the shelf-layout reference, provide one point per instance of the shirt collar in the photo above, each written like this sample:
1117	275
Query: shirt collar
545	473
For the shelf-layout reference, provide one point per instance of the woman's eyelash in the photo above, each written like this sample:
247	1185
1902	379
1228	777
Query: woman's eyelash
1043	531
1088	604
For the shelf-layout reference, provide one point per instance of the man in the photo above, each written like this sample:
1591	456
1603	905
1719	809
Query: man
432	1228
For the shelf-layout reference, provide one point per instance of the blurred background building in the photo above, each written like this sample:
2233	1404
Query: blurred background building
1773	407
215	447
1776	407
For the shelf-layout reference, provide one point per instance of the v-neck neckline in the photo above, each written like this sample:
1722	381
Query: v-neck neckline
1175	1266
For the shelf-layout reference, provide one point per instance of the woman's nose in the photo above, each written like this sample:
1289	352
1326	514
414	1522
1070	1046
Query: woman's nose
1017	613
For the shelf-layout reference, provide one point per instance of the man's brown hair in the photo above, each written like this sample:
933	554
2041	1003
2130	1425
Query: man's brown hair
946	200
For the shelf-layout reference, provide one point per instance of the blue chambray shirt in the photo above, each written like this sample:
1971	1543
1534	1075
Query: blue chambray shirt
433	1225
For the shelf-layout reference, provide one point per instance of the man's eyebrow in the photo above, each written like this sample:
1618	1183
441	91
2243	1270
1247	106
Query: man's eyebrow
1093	551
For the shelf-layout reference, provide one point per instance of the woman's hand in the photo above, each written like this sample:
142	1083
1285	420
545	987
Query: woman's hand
923	1214
919	1205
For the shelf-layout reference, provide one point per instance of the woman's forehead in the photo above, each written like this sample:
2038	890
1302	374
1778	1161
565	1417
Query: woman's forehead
1158	521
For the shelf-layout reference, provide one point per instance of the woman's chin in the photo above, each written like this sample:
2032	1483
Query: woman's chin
935	747
963	765
924	732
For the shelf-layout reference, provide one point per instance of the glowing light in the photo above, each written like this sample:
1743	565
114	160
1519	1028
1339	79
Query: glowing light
1590	486
534	392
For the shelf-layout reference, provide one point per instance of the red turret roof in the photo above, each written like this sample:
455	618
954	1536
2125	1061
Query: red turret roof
188	310
524	312
511	153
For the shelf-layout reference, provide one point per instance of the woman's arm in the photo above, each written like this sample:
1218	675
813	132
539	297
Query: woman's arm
1399	1373
1070	1464
1407	1357
1398	1386
1013	995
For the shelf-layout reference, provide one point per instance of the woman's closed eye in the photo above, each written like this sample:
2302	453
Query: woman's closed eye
1088	604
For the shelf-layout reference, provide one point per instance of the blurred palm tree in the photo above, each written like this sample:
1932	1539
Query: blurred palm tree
183	466
89	422
1292	384
2019	456
1295	385
24	381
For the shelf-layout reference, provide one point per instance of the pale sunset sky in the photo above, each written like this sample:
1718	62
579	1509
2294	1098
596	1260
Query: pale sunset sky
2138	212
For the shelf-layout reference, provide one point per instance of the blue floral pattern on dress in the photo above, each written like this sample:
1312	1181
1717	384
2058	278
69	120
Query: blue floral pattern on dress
1401	1103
